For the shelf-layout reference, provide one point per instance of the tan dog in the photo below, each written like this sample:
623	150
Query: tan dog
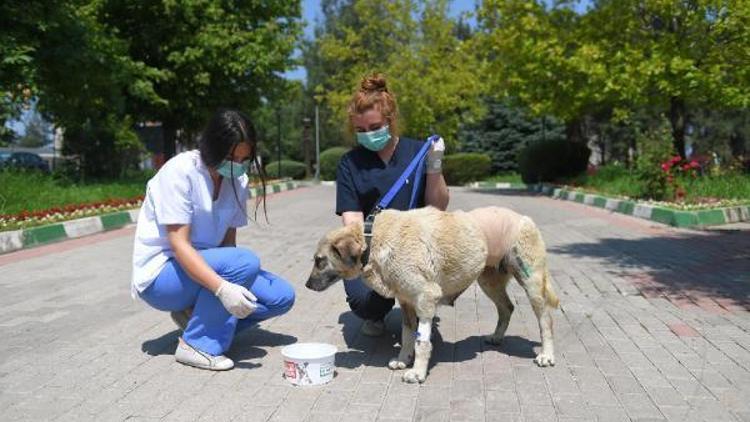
426	256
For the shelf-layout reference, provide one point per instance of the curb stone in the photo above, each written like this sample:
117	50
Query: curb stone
676	218
41	235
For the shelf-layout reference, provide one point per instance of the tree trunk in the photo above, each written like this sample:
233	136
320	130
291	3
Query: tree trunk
737	144
306	148
169	130
574	131
678	118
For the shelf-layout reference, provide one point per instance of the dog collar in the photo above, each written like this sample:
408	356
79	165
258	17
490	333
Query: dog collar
369	222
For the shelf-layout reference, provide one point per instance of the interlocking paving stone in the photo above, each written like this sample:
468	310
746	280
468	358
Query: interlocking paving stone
654	325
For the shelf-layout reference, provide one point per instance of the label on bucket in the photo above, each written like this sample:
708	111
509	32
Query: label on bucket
325	370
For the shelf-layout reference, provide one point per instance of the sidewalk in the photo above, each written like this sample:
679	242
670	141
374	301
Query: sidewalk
654	325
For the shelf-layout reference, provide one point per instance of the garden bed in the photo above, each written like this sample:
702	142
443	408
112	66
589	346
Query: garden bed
702	201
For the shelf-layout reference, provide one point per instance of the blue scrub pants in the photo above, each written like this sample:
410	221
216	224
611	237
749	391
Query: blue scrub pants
211	327
365	302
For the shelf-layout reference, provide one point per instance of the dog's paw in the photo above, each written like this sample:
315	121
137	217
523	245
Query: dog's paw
412	377
543	359
396	364
493	339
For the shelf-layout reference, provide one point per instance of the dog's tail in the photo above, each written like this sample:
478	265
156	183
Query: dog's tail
549	293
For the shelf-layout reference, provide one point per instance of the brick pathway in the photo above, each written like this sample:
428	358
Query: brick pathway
654	325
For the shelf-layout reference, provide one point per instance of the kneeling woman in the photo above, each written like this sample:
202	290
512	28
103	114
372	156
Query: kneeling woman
185	257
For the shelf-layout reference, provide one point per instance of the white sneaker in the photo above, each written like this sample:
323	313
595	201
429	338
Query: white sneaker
190	356
180	318
372	328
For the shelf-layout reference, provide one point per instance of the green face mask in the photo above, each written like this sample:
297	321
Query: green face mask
375	140
231	169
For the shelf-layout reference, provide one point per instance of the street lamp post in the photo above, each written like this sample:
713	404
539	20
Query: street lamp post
278	141
317	144
306	144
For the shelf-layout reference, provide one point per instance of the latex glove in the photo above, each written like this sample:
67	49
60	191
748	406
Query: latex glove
236	299
435	157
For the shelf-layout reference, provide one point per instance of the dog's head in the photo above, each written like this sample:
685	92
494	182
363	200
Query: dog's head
338	256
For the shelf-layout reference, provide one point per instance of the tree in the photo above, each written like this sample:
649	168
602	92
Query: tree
19	39
619	57
432	72
541	58
97	66
84	77
212	54
725	132
280	118
504	130
677	55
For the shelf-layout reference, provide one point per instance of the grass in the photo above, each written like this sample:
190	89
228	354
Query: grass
32	191
505	178
617	181
726	187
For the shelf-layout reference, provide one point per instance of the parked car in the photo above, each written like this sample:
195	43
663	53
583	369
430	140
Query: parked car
24	160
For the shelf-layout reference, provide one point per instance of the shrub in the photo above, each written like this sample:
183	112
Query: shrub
503	131
466	167
289	168
329	161
549	160
656	149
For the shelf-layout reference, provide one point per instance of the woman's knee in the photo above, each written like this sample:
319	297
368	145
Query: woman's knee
242	266
370	305
284	296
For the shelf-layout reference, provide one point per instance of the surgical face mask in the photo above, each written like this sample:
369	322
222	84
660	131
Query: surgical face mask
229	168
375	140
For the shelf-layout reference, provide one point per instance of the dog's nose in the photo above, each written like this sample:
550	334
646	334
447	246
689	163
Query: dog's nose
309	284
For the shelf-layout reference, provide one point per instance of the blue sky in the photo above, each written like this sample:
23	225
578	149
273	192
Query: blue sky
311	12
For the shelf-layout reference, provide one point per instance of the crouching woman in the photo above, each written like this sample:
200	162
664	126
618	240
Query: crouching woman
185	257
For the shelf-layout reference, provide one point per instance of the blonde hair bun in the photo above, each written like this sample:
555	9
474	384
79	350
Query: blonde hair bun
374	83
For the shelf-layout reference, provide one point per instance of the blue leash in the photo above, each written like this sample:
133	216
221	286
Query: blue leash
417	161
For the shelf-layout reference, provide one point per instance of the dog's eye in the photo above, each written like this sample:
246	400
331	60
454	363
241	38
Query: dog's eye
320	261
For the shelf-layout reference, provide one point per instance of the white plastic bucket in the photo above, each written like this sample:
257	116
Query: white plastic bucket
309	363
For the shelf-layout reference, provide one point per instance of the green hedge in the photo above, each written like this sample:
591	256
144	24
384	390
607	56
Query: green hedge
329	161
289	168
547	161
466	167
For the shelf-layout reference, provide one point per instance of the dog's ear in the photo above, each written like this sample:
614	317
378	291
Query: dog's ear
348	249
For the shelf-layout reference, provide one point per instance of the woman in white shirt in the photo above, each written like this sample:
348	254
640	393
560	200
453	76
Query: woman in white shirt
185	257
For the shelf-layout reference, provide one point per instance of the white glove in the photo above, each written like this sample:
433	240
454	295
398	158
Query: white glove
236	299
435	157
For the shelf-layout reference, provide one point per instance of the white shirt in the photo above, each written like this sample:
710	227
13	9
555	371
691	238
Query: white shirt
182	193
